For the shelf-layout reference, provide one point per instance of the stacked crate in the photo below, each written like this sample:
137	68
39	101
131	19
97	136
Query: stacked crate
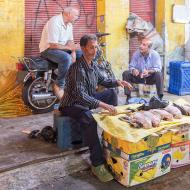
179	82
135	163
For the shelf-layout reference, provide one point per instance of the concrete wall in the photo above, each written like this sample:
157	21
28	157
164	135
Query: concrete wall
11	33
112	16
172	33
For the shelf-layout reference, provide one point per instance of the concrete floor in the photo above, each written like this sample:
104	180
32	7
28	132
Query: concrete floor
35	164
178	179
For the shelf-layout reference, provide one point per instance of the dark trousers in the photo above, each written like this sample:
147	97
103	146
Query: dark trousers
155	78
83	115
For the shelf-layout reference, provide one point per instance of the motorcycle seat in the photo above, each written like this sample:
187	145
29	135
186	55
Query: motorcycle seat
40	64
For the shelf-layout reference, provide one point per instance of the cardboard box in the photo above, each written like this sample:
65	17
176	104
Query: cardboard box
138	171
180	134
147	146
180	154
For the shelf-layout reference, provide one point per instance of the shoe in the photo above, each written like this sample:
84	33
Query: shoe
58	91
102	173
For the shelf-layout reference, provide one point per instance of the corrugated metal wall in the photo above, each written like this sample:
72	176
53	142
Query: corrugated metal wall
144	9
37	12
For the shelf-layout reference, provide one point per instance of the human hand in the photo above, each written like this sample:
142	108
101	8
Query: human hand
73	55
111	109
77	45
145	74
123	83
135	72
71	45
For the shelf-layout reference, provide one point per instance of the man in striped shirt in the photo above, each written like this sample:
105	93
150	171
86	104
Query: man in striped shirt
80	97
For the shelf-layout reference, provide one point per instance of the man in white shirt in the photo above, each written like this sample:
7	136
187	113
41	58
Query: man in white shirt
57	44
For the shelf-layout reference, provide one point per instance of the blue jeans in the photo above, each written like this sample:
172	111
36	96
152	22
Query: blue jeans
63	59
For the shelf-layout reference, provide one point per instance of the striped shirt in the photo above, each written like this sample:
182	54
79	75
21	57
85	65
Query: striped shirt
81	82
150	62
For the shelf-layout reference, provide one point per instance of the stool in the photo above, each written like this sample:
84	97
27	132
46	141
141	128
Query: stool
69	134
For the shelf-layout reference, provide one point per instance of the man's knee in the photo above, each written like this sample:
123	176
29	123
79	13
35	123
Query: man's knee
113	92
66	58
87	119
158	75
113	97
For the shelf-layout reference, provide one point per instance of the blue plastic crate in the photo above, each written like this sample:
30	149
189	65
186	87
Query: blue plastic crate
179	82
69	134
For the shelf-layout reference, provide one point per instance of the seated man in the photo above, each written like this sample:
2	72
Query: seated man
145	68
57	44
80	97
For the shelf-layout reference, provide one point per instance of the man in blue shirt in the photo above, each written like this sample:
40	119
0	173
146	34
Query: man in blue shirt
145	68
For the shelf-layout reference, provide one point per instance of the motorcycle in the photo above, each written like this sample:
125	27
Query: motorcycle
41	74
37	91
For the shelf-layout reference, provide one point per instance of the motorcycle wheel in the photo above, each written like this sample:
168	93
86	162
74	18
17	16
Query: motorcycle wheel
37	88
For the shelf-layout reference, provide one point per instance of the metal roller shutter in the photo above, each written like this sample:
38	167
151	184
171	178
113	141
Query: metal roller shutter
37	12
144	9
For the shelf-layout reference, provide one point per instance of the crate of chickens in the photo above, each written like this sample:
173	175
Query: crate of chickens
147	120
134	172
180	154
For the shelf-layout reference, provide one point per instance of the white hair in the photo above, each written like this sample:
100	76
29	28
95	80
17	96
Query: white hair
70	9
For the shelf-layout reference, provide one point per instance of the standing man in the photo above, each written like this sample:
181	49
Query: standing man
57	44
145	68
80	97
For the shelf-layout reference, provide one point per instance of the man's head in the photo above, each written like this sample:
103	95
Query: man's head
145	46
89	45
71	14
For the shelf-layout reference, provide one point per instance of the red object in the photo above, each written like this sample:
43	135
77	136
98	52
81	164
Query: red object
19	67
